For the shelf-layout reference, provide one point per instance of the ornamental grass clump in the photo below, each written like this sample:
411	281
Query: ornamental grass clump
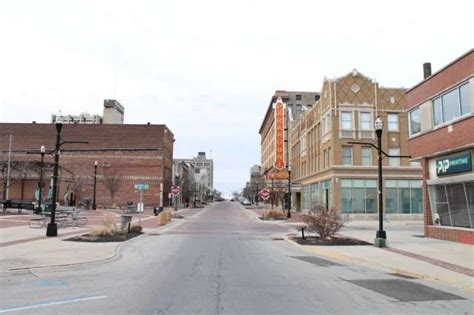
274	214
324	222
108	227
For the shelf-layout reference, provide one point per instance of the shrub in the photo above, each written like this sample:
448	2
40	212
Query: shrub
103	231
108	227
324	222
273	214
136	228
162	218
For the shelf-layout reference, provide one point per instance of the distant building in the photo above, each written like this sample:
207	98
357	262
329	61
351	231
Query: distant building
441	136
202	167
113	114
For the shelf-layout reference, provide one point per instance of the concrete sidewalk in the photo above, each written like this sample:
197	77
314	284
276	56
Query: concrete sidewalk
23	248
408	253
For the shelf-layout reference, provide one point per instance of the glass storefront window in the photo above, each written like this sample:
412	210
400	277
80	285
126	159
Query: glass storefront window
358	196
453	203
457	205
403	196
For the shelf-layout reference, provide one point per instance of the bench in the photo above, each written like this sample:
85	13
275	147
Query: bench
18	204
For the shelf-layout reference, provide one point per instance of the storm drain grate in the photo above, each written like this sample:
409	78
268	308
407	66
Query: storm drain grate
405	291
317	261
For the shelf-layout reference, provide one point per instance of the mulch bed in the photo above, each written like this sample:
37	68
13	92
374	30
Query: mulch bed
272	219
102	239
335	241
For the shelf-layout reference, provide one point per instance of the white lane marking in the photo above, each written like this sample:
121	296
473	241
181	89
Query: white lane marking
71	300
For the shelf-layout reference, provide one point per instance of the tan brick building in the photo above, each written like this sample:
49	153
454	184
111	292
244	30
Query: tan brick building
326	165
441	111
135	153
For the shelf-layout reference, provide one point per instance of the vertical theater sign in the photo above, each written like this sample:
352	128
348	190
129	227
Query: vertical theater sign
279	112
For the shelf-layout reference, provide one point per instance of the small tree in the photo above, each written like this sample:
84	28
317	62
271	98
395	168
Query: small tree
112	182
324	222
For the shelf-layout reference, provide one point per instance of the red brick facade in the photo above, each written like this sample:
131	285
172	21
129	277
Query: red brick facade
454	137
132	166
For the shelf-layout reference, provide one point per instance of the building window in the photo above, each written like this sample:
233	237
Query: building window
451	105
415	121
346	155
298	97
297	111
365	121
403	196
415	164
394	161
346	125
365	125
453	203
359	195
392	122
346	120
366	156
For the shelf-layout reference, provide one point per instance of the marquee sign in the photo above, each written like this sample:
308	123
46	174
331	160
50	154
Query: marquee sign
279	112
453	164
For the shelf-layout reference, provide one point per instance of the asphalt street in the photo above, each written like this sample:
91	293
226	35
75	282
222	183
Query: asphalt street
220	261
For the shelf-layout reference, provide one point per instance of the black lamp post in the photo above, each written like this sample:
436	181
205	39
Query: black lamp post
381	236
288	215
40	185
52	229
94	205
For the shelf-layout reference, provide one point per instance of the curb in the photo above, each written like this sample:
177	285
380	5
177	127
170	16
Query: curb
375	265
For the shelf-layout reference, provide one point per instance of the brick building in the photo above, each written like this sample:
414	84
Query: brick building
441	135
132	153
329	167
296	104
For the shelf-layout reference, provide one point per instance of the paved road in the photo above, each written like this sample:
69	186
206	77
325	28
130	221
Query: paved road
222	262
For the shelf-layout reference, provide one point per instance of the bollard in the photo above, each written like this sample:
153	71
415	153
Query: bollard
302	232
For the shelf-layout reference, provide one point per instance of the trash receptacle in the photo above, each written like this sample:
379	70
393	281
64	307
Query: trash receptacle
157	210
125	222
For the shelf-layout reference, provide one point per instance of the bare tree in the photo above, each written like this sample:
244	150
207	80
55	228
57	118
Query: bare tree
112	182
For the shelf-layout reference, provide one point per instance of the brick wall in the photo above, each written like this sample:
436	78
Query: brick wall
151	167
452	74
441	140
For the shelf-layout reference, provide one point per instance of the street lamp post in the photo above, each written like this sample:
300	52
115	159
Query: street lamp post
288	215
40	185
381	235
52	229
94	205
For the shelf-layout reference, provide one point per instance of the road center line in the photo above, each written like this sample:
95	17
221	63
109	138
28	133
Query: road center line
51	303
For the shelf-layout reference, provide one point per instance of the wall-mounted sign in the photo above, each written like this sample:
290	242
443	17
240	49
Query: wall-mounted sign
279	111
453	164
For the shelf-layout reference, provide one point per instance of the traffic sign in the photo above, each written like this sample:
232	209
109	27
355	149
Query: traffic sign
265	193
142	186
175	190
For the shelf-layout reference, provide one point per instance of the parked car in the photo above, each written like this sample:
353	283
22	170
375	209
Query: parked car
245	202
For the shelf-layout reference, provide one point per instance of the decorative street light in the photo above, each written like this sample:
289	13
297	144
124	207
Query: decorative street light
94	205
381	236
52	228
288	215
40	185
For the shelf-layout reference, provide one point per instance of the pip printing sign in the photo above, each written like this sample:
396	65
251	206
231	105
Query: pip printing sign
279	111
453	164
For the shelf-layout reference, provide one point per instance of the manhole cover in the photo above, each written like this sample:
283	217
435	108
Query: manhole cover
317	261
405	291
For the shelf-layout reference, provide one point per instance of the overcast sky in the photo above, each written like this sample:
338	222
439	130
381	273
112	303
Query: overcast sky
207	69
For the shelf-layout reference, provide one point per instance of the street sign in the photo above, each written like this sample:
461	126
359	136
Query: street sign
175	190
142	186
265	193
